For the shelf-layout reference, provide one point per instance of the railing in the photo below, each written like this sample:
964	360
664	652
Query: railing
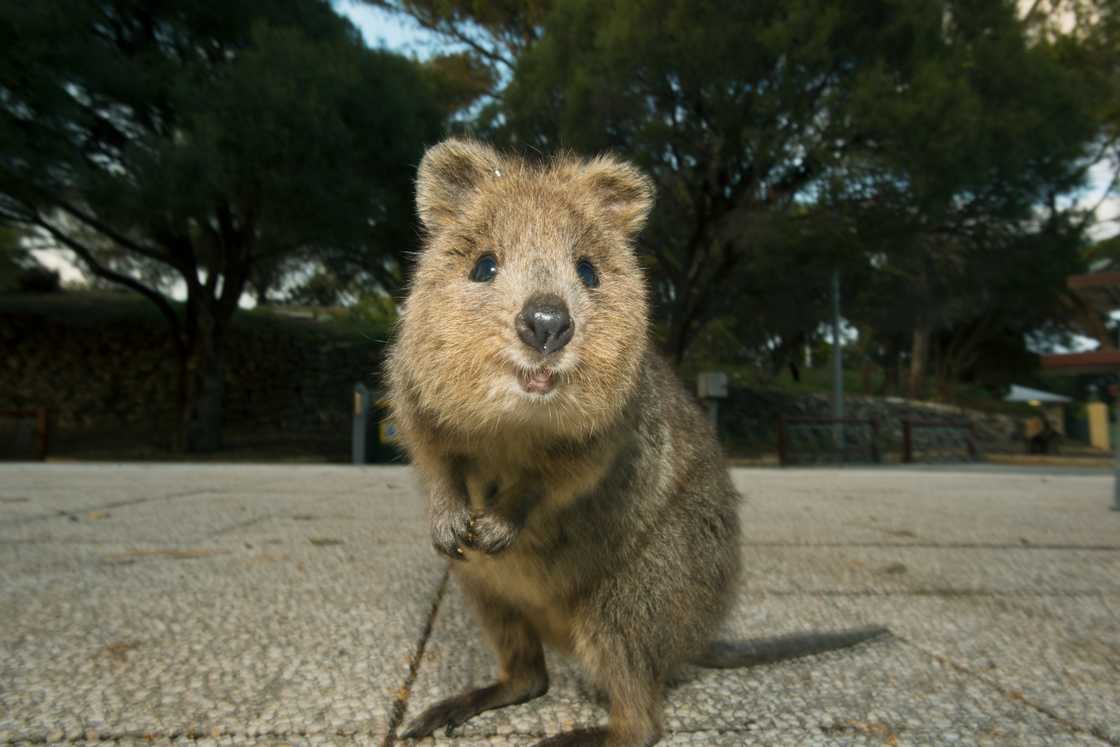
945	438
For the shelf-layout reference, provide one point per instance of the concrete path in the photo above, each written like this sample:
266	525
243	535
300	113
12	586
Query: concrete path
303	605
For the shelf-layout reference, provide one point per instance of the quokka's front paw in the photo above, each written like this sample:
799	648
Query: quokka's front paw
451	532
492	533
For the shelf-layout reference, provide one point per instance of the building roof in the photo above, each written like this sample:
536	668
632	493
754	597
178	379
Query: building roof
1093	362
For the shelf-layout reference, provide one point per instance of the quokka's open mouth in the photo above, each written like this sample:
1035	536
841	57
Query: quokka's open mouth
541	381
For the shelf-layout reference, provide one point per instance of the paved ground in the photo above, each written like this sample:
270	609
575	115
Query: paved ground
245	604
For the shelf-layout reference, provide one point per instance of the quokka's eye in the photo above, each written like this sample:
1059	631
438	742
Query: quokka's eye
484	269
587	274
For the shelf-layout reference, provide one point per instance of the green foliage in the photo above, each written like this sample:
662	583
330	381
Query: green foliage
1107	250
792	138
925	149
187	127
493	32
373	316
1092	48
19	269
12	258
39	280
322	288
209	144
460	80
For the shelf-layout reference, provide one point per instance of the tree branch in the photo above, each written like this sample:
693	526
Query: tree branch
447	29
667	264
14	217
111	233
90	260
1028	17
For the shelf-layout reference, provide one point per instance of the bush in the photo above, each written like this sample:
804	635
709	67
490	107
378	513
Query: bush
39	280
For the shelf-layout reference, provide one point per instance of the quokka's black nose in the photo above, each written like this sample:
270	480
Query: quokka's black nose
544	323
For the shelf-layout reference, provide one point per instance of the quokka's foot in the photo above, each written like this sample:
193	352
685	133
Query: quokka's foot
599	737
577	738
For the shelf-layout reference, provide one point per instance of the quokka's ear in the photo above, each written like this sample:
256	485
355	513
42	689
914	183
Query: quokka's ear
448	174
622	192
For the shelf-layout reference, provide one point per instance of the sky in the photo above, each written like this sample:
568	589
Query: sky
1108	214
388	30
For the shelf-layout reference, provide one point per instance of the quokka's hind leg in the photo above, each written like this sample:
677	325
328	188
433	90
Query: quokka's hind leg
522	675
614	734
635	685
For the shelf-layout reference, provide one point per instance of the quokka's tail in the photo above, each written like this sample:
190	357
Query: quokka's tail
730	654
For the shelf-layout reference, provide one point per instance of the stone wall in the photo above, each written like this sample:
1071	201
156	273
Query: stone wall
112	381
748	418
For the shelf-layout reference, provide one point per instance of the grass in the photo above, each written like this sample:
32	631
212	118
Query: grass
83	308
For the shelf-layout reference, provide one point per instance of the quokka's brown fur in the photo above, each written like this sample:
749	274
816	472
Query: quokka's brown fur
580	492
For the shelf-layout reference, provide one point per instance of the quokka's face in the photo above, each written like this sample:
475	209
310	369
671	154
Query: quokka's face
528	305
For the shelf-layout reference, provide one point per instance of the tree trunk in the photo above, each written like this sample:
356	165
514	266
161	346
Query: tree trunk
678	340
942	373
182	366
919	355
891	379
205	386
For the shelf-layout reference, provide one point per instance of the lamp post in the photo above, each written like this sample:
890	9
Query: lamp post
837	366
1116	459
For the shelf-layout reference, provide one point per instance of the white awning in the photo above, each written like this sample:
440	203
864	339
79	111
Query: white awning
1026	394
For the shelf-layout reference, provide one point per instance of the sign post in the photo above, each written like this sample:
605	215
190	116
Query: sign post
712	387
358	447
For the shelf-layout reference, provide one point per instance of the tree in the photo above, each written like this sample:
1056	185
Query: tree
321	288
197	143
970	162
1085	34
946	308
778	129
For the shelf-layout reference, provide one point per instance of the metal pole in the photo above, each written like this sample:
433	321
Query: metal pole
358	447
837	364
1116	462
